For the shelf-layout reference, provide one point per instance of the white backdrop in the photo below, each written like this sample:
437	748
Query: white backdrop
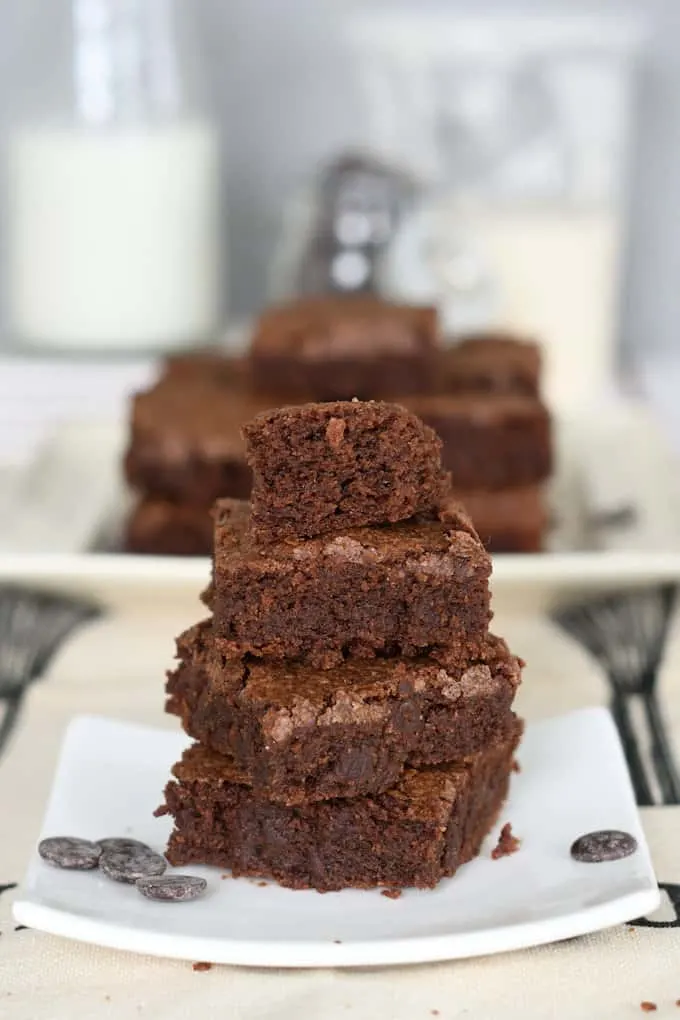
286	99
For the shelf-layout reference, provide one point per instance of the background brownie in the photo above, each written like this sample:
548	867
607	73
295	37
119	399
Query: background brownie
415	834
160	528
490	442
509	520
301	734
392	589
211	364
490	363
336	348
323	468
186	444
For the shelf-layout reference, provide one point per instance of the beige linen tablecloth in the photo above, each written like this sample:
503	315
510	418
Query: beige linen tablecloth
116	667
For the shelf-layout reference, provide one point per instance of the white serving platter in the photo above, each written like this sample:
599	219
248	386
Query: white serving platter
615	502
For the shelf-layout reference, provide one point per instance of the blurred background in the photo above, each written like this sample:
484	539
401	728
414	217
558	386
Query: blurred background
527	159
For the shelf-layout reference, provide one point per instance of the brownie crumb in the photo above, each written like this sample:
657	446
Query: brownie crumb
648	1007
224	876
335	432
202	966
507	843
391	894
516	767
262	885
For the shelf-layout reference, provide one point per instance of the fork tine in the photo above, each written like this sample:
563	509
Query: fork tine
33	626
627	634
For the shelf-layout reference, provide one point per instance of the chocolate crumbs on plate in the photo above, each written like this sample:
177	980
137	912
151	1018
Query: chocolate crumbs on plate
507	843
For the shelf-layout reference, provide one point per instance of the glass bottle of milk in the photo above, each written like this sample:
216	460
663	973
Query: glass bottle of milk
112	181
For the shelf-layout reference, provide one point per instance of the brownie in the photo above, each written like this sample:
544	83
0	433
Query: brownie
509	520
211	364
397	589
320	469
336	348
186	444
301	734
490	441
490	363
415	834
159	528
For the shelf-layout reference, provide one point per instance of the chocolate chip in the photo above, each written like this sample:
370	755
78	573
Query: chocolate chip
71	853
605	845
131	865
172	888
124	844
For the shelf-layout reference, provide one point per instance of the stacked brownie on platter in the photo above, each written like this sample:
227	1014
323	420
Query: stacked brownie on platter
482	395
185	451
352	712
497	437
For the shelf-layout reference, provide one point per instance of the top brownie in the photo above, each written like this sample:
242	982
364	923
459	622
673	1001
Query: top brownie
335	348
322	469
490	363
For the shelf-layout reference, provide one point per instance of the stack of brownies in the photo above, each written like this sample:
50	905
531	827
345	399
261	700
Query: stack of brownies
482	396
352	712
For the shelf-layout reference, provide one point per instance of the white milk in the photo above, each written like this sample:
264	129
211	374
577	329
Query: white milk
551	271
114	236
556	272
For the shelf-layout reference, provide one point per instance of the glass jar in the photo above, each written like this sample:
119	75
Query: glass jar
112	180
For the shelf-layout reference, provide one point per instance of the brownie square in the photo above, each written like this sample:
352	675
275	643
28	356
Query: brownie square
185	443
300	734
509	520
490	442
159	528
415	834
211	365
323	468
397	589
490	363
336	348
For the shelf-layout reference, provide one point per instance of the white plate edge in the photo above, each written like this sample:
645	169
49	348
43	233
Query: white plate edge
301	955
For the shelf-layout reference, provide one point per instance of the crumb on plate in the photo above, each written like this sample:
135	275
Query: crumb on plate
507	843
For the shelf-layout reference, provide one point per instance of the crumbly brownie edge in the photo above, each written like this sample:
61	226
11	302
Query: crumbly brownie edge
300	602
349	742
362	843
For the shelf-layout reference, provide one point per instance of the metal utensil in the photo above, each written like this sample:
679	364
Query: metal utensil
627	635
33	626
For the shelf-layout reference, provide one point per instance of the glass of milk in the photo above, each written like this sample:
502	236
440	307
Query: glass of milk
518	128
112	177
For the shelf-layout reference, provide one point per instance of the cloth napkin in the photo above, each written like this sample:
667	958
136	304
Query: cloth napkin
115	667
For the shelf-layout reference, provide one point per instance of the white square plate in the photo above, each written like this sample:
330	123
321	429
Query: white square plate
573	780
